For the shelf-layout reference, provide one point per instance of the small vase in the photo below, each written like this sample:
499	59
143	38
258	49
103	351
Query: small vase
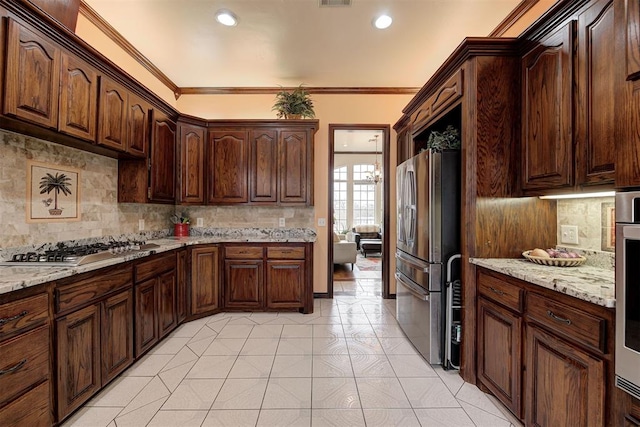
181	230
293	116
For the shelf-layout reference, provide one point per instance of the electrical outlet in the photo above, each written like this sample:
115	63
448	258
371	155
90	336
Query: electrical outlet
141	225
199	222
280	222
569	234
322	222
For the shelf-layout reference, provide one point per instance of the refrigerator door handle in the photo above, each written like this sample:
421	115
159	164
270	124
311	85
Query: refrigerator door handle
423	267
411	288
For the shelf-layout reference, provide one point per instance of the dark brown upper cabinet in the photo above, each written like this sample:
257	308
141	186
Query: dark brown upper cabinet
78	98
595	96
263	164
162	186
296	169
191	146
227	166
547	143
138	126
112	115
32	76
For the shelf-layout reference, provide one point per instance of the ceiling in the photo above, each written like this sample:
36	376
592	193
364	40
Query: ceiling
292	42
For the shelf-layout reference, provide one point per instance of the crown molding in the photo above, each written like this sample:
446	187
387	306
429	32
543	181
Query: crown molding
310	89
97	20
522	8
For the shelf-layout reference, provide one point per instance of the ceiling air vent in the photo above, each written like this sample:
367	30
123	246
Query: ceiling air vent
324	3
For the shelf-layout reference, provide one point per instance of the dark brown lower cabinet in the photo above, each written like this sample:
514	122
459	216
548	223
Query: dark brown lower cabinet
146	316
167	319
285	283
117	334
243	284
205	279
79	373
499	344
182	285
565	386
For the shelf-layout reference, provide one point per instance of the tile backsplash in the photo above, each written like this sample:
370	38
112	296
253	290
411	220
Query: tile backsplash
101	214
593	218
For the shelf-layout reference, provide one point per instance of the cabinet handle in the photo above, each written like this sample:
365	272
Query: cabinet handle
559	319
633	420
19	365
11	319
496	291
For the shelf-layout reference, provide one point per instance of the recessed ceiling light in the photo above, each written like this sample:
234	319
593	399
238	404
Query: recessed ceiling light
382	22
226	17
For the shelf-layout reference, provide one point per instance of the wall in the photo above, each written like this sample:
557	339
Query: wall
101	215
587	214
249	216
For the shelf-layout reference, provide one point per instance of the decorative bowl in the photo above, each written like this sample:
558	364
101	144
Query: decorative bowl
555	262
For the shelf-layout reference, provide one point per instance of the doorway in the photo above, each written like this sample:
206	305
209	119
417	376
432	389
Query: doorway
359	193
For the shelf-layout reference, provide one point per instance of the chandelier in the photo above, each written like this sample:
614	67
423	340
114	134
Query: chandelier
375	176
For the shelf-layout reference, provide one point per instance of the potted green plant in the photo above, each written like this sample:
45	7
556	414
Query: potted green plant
449	139
294	104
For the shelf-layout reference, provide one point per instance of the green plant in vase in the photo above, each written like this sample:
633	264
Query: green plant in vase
449	139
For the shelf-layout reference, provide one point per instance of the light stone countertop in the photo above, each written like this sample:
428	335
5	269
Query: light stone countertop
591	284
16	278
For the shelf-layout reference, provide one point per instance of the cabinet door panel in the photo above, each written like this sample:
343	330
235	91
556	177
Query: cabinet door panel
167	302
499	354
191	183
146	316
182	286
117	334
547	134
205	279
163	159
32	76
294	167
243	284
263	165
227	161
285	283
558	372
138	126
31	409
78	340
632	23
112	115
78	98
595	118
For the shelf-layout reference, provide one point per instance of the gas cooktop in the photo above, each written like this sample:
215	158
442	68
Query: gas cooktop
74	256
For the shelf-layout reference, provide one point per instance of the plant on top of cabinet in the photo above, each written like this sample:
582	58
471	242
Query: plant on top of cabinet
294	104
448	139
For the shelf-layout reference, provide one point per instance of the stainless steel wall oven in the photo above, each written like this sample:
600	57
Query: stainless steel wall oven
628	292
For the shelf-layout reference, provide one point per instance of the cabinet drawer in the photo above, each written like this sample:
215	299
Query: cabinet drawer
22	314
25	362
285	253
94	286
243	252
500	291
574	324
152	268
32	409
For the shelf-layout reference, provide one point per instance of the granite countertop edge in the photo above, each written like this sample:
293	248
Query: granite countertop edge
16	278
591	284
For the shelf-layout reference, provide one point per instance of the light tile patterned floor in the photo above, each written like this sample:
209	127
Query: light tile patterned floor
347	364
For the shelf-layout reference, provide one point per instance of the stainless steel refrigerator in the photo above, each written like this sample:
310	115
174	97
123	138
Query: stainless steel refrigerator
428	191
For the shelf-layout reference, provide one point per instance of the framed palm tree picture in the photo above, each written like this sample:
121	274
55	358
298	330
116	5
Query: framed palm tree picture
53	193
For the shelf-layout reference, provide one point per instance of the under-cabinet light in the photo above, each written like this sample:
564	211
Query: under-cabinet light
581	195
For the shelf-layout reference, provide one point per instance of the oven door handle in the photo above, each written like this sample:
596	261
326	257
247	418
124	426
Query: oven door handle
412	289
423	267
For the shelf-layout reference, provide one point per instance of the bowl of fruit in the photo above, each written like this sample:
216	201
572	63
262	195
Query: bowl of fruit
554	257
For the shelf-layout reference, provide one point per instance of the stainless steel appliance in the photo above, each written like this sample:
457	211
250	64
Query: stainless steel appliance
628	292
428	190
72	256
